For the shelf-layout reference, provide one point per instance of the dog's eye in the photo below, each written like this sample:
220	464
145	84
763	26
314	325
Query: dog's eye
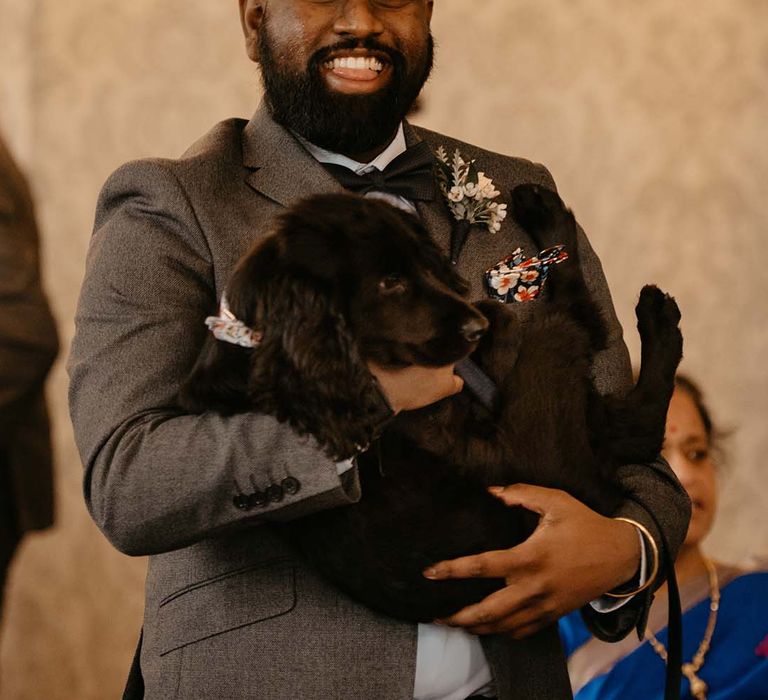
392	284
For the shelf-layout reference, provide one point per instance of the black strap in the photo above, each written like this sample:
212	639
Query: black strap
674	673
480	385
674	623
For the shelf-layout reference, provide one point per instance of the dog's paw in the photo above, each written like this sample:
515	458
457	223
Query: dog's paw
543	215
658	316
657	306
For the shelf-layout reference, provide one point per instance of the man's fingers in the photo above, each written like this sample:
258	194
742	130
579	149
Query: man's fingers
458	383
510	609
509	626
490	610
415	386
445	383
515	630
450	383
538	499
494	564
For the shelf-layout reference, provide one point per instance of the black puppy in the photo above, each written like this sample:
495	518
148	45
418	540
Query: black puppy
344	280
341	281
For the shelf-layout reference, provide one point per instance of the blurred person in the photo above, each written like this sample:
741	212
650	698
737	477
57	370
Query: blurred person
28	346
725	608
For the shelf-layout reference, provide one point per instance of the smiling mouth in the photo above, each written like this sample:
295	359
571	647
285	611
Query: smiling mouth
364	68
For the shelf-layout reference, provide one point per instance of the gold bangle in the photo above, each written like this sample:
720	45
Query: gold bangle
654	567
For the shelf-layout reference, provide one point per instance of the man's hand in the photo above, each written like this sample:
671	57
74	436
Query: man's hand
574	556
415	386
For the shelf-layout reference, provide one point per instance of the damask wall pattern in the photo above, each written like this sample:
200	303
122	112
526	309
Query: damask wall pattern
652	117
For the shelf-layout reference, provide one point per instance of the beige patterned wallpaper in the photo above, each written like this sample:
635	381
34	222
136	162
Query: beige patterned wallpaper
652	116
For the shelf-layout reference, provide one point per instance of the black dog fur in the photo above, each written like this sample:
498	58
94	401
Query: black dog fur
341	281
344	280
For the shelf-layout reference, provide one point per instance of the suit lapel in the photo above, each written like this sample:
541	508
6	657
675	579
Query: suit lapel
435	215
280	168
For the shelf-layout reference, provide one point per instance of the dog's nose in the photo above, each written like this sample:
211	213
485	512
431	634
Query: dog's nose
474	329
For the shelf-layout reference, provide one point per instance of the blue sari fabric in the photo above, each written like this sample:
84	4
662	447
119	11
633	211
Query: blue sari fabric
735	668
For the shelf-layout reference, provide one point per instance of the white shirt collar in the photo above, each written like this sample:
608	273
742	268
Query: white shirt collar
395	148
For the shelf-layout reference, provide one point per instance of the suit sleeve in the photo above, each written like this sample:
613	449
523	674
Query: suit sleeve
28	340
157	479
654	496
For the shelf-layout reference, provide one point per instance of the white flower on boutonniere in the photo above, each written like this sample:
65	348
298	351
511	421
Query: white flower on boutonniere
469	194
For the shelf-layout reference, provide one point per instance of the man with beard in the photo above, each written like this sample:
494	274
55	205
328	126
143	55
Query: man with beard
230	612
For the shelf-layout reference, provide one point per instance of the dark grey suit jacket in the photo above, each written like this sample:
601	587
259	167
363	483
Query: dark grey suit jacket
28	346
230	611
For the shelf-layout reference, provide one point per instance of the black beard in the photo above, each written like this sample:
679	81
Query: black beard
347	124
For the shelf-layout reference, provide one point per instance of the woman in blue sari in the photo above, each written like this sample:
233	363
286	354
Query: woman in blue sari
725	609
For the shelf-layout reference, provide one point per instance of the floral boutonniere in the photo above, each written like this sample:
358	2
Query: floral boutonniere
470	196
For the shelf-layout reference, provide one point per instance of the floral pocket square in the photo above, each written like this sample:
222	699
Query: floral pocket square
517	278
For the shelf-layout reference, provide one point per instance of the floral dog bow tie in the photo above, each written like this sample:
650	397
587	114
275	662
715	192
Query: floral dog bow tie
517	278
230	329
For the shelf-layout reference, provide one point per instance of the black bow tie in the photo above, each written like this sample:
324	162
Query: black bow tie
410	175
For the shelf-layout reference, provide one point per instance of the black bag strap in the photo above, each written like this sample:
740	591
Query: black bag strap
674	620
480	385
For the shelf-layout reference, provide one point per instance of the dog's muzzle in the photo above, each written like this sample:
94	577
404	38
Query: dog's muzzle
474	329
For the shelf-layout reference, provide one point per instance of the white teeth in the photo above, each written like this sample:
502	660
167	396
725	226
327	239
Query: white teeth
356	63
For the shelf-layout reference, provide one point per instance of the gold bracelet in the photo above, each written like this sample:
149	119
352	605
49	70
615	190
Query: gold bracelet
654	568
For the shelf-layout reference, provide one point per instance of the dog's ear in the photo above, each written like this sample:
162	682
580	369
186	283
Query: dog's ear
308	370
219	379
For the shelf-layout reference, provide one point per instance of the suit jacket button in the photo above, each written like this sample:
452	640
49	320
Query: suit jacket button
290	485
258	499
242	502
275	493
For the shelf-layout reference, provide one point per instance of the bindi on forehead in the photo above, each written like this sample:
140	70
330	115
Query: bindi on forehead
672	429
